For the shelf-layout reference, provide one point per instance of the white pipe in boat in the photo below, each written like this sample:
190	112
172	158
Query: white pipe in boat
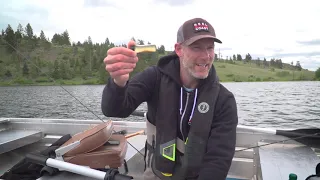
82	170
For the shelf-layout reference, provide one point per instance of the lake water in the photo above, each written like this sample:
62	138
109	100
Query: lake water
262	104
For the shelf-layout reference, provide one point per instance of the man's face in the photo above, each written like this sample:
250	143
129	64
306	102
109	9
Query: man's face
197	58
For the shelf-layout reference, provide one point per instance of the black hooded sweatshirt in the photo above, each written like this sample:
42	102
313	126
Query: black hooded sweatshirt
144	87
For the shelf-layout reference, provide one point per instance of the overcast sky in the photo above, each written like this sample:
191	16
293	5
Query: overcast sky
287	29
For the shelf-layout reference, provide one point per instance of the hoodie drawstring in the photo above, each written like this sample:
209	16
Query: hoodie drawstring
194	104
180	101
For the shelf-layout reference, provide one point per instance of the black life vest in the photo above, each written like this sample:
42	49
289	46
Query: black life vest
163	144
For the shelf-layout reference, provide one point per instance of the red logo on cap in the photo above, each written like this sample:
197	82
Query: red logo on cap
200	27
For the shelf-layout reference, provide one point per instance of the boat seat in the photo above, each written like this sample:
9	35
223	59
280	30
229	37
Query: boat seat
96	148
109	155
277	161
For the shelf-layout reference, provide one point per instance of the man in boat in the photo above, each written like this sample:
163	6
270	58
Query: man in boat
191	118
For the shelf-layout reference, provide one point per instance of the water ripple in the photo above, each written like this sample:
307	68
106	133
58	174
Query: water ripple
262	104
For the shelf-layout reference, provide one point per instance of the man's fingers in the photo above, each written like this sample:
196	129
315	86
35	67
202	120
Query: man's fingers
131	43
111	59
121	61
120	72
119	66
121	50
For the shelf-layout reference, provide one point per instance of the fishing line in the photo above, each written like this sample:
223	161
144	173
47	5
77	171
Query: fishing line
299	137
25	58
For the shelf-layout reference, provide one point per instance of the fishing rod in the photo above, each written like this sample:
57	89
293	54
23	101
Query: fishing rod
25	58
296	134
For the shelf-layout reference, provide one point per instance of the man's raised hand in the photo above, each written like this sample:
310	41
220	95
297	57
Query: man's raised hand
121	61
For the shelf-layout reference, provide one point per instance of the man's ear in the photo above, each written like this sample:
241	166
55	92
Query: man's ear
178	49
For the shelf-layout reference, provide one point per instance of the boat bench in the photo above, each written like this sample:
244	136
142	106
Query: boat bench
11	139
277	161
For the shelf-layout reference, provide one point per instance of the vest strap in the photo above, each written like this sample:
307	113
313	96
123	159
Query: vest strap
180	145
151	132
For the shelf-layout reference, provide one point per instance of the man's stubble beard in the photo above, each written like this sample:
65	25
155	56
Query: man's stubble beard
189	67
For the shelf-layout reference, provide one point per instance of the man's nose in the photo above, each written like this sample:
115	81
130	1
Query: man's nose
206	54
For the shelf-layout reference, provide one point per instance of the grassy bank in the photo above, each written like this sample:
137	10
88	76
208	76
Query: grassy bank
249	73
227	73
49	82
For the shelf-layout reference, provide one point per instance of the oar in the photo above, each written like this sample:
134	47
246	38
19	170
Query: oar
134	134
309	137
139	113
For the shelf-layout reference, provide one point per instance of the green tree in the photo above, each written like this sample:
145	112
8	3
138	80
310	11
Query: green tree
25	69
43	36
278	63
317	74
298	66
66	38
161	49
19	34
140	42
248	58
29	31
9	37
103	74
258	62
107	42
34	71
239	57
64	69
272	62
30	37
56	70
265	63
56	39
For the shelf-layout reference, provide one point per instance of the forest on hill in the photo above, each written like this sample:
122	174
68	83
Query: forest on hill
27	58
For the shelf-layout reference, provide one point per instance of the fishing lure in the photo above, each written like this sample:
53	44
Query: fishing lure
144	48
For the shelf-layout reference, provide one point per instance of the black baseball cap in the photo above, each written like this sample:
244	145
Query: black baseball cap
195	29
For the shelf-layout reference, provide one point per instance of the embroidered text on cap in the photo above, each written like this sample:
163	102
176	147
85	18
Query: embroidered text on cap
200	27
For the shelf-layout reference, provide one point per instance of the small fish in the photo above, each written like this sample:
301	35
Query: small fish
144	48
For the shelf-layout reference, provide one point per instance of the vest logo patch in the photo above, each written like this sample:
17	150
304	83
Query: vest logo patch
203	107
200	27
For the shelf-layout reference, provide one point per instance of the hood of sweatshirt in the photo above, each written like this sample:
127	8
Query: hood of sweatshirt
170	65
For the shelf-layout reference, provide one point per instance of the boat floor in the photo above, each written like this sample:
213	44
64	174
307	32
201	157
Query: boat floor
135	161
135	166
